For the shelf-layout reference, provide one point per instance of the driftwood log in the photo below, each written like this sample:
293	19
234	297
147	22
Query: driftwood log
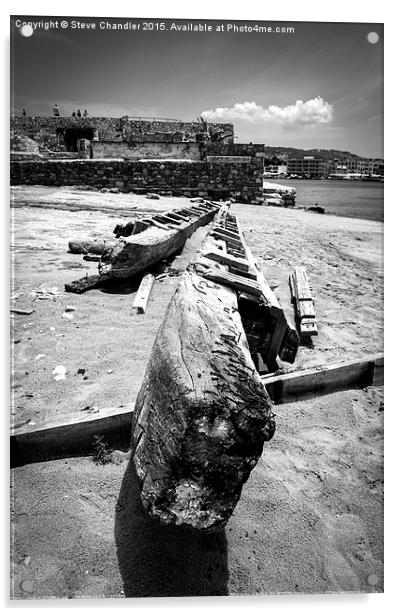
202	414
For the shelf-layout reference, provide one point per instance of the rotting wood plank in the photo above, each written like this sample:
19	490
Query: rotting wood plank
312	382
165	219
230	241
223	257
143	294
160	225
239	283
302	284
227	232
178	216
239	272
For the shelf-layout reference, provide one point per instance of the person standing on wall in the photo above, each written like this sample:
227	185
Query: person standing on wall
56	111
78	114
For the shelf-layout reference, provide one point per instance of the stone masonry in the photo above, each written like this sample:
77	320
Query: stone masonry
242	181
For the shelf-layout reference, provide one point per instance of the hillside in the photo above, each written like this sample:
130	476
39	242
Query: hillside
271	151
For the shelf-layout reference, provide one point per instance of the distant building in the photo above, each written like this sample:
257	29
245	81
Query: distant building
276	170
363	167
308	167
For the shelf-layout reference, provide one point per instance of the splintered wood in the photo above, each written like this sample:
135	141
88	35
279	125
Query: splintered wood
202	414
303	301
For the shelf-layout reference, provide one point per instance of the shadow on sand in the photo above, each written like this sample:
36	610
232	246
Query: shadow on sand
163	561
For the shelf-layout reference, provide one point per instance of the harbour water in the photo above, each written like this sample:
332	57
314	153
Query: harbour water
355	199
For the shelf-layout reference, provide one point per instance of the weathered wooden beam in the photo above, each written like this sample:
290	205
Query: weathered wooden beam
165	219
168	219
239	283
160	225
143	294
198	209
303	301
225	231
202	414
179	216
223	257
320	380
94	247
70	436
239	272
229	240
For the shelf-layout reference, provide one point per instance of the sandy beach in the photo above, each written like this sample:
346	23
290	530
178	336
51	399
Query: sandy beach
310	519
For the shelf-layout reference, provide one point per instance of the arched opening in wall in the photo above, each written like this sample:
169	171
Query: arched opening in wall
73	136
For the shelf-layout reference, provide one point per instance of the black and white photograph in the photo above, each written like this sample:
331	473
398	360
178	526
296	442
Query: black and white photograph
196	306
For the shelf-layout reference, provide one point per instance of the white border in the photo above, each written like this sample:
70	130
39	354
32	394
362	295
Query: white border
289	10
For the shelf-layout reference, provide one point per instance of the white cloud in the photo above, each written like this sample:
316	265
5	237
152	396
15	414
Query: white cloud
314	111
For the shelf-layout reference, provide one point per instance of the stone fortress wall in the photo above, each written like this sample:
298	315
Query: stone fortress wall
182	158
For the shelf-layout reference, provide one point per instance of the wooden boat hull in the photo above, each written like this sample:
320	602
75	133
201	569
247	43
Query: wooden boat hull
136	253
202	414
131	255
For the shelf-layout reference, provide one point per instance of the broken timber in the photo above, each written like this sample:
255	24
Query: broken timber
303	301
143	293
321	380
202	414
150	241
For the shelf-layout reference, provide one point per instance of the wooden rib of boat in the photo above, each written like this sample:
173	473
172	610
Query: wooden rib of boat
149	241
202	414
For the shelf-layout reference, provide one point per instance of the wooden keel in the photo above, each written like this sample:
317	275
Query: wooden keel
202	414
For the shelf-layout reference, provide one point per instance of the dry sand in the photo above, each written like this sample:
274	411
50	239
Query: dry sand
310	518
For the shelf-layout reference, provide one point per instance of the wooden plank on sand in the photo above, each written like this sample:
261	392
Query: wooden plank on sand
71	436
143	293
326	379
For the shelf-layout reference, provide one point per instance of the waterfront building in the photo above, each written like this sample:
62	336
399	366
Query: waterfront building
310	167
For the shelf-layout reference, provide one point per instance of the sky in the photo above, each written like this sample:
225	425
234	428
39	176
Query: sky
320	86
